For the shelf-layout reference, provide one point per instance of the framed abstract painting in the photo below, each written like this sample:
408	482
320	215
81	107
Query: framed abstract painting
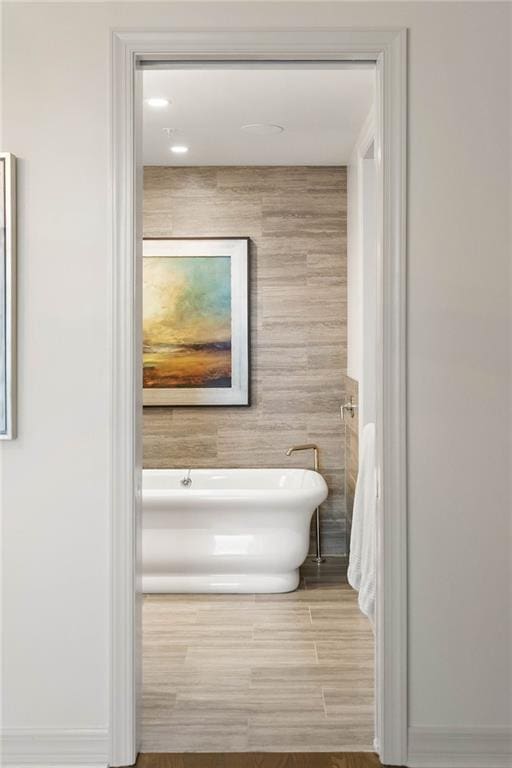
195	321
7	296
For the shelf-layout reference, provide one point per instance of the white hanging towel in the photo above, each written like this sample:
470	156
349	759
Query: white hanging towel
362	566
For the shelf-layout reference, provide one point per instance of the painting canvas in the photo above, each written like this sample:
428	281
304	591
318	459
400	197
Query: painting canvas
195	322
7	295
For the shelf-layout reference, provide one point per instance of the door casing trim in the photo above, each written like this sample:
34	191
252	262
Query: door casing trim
388	49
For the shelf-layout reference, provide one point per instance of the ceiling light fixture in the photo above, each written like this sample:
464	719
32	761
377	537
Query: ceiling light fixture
157	102
262	129
179	149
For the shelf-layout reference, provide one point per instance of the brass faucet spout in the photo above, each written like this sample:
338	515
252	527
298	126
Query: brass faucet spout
305	447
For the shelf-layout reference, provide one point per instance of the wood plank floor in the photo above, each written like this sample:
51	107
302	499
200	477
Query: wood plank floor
260	760
259	673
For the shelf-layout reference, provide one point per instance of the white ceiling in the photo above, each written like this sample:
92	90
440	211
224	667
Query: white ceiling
321	110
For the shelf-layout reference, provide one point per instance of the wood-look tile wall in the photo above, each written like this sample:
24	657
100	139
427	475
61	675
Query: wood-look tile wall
351	449
296	219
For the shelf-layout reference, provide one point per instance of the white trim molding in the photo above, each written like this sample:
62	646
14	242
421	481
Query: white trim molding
87	748
8	265
387	49
391	609
125	404
460	747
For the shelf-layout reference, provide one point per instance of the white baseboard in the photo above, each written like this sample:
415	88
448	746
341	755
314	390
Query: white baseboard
49	748
460	748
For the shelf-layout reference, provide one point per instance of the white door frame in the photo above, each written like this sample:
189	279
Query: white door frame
387	47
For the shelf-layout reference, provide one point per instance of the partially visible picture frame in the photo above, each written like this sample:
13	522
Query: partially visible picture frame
196	321
7	296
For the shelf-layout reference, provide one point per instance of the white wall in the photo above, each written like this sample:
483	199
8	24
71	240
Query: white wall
354	268
368	384
54	489
362	271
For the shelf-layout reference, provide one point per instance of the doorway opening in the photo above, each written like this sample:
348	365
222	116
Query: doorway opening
252	638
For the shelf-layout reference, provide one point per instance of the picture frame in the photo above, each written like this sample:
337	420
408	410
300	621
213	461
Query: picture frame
7	296
196	321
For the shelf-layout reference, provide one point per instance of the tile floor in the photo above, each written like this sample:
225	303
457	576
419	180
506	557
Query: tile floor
281	673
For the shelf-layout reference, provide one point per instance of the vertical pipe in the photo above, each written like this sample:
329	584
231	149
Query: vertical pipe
318	558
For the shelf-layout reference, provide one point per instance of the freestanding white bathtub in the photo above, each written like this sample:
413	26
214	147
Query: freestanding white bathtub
231	530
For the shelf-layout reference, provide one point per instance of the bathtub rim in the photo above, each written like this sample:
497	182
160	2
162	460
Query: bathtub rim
156	499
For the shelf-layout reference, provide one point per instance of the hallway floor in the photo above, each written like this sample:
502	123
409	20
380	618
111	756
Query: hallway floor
261	760
237	673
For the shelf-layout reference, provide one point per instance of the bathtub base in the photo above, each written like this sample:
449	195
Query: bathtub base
235	583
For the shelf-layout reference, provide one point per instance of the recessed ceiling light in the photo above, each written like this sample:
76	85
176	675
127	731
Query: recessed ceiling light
157	102
262	129
179	149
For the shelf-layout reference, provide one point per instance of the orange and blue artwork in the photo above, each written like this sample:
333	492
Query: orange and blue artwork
187	322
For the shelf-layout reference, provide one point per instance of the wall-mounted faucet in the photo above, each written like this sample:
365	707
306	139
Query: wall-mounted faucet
348	409
187	480
312	447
